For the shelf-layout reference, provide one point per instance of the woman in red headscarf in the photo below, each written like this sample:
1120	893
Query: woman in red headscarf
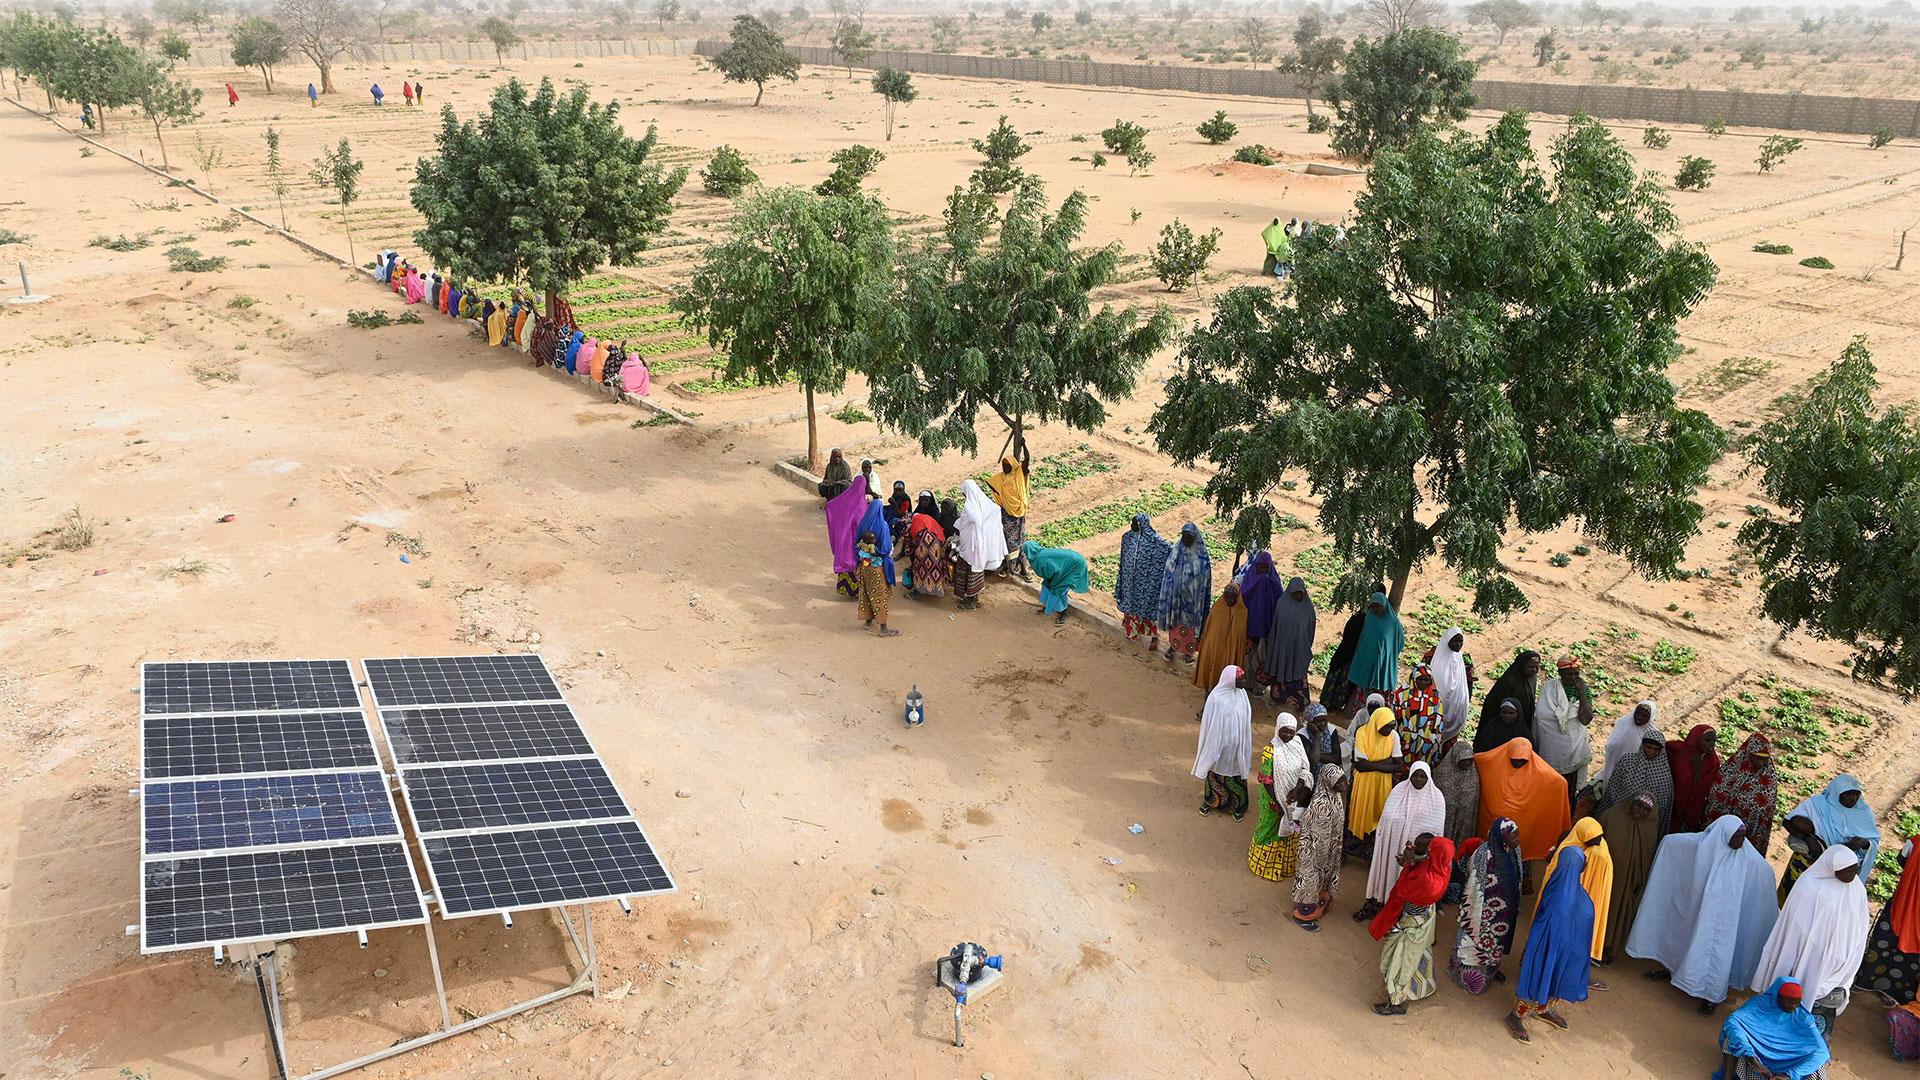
1696	769
1407	921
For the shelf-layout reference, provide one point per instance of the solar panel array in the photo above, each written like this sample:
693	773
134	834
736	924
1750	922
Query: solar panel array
264	813
513	807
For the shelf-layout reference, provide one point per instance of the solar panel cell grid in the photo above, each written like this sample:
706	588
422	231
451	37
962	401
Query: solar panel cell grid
255	743
454	680
483	732
521	793
247	686
208	815
276	894
538	867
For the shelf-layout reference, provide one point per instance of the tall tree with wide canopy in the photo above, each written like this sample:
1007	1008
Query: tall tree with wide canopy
542	189
1843	561
1486	350
755	55
259	42
1007	327
793	292
321	29
1397	87
95	66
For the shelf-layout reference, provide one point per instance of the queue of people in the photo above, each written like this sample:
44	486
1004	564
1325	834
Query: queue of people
518	323
1655	849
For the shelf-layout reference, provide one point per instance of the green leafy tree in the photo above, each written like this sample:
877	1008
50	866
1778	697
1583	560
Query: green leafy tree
1219	129
1694	174
1041	22
1181	257
1316	56
165	100
1774	150
851	164
1124	137
946	35
852	43
1002	147
141	30
1254	154
259	42
795	290
563	190
1503	15
338	171
1439	385
30	46
175	48
96	67
1838	561
1655	138
1880	139
1714	128
896	88
277	174
501	35
756	55
727	173
1007	327
666	11
1544	48
1397	87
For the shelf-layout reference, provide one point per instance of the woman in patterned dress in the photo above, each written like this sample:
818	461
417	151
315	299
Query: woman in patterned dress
1284	783
1489	908
1748	788
1316	875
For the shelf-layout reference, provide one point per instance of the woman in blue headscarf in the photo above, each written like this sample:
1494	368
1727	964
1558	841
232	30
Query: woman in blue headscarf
1060	570
875	522
1376	657
1838	815
573	353
1772	1035
1559	956
1136	588
1186	593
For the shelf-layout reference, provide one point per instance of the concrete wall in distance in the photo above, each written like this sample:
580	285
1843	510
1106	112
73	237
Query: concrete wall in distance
405	51
1804	112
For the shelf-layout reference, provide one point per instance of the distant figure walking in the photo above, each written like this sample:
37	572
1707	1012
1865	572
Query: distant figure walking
379	95
406	91
313	96
233	96
420	93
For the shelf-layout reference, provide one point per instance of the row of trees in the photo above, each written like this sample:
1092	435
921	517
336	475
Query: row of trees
93	67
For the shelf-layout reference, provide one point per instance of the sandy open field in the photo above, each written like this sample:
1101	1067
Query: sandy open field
825	854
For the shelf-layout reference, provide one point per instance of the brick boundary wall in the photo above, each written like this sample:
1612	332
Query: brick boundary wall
217	56
1736	108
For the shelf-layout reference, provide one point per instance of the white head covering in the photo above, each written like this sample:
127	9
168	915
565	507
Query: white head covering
1226	730
1627	737
1290	767
982	542
1707	911
1409	812
1375	700
1822	933
1450	682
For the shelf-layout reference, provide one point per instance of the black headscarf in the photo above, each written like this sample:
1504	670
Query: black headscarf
927	506
1288	648
948	517
1514	683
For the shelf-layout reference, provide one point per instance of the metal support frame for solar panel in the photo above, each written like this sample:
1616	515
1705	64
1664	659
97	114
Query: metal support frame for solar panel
499	723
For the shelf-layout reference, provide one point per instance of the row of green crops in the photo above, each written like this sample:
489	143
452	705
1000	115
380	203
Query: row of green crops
1113	516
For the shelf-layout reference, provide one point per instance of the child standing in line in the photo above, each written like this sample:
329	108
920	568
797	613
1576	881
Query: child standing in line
874	590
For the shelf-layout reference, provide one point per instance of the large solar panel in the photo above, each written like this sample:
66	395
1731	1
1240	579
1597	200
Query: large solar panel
264	813
513	807
247	686
456	680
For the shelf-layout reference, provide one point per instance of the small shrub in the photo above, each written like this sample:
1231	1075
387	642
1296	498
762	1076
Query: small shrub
188	261
1180	257
8	236
1318	124
727	173
1775	149
850	166
852	414
1655	138
1561	558
1880	138
1769	248
1253	154
242	302
1139	160
74	532
1714	128
1817	262
1125	138
1694	175
1219	129
123	242
375	319
1099	159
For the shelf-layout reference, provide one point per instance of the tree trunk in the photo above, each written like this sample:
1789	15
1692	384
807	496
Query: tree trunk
282	199
759	93
165	166
348	223
1902	257
101	110
813	434
1398	587
1309	98
267	74
326	78
889	120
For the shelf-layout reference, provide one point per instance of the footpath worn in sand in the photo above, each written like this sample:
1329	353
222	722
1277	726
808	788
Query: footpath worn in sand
825	853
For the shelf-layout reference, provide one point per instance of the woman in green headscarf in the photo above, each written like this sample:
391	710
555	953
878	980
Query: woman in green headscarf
1376	659
1279	248
1061	571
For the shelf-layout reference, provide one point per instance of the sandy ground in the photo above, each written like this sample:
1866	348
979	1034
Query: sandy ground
825	853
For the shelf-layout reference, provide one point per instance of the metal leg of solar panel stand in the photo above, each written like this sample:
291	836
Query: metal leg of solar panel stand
266	974
439	986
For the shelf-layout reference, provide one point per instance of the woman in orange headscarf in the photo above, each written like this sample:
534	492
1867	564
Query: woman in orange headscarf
1515	783
1596	879
1223	642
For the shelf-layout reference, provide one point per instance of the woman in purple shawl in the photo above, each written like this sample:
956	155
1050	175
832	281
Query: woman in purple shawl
843	534
1259	590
